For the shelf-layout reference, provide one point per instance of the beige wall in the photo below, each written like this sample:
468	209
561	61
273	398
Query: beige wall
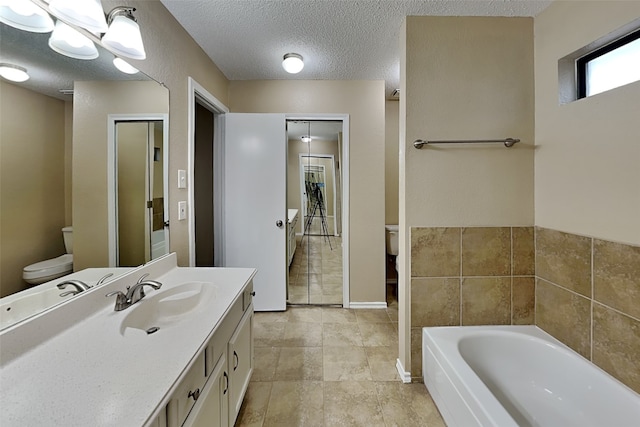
392	112
172	57
587	152
587	197
364	102
463	78
93	102
32	182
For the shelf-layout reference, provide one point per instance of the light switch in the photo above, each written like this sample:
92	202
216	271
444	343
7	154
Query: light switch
182	211
182	178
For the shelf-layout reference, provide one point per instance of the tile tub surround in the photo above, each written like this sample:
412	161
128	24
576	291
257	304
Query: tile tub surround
470	276
588	297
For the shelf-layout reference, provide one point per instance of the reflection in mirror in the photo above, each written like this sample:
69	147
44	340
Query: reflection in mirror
313	191
140	222
45	186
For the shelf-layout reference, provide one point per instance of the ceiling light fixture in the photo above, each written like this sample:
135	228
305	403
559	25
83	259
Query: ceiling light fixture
305	138
14	73
87	14
25	16
124	66
123	36
70	42
292	63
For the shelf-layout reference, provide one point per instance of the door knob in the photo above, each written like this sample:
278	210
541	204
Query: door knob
279	223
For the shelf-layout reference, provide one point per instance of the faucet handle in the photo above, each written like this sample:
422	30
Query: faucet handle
121	300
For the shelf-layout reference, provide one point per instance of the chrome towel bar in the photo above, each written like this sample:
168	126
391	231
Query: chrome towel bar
508	142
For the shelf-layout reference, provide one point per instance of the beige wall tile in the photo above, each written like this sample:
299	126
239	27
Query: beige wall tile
564	315
523	251
435	252
416	353
486	251
435	302
616	276
616	345
564	259
523	300
486	301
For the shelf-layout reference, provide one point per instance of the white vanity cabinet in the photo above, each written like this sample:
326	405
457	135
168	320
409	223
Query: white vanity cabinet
211	393
291	232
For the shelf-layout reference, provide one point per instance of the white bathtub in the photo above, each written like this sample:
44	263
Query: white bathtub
507	376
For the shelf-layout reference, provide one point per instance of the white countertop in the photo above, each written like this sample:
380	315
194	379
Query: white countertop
84	372
292	214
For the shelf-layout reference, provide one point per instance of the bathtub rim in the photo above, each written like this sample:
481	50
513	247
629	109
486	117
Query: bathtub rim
445	339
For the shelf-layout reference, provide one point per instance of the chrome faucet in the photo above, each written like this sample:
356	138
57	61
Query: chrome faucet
79	285
134	293
103	278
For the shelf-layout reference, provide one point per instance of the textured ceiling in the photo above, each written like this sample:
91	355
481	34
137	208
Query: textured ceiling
339	39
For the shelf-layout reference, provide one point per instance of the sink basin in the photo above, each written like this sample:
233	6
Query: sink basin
167	308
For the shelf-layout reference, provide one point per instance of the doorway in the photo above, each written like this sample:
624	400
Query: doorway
137	181
316	274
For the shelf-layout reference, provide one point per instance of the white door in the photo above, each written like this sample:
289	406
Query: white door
255	203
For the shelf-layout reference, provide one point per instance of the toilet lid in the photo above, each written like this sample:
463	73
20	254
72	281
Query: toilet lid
51	266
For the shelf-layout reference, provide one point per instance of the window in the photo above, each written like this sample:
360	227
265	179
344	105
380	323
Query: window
610	66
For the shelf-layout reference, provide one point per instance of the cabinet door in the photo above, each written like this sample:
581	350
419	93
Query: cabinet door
240	363
212	409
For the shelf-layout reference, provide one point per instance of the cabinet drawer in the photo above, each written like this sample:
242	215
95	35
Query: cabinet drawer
187	393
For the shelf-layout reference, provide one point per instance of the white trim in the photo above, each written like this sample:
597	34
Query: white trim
405	376
112	208
344	167
373	304
198	92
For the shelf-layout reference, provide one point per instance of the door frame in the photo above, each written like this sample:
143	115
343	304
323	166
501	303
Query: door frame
112	185
196	92
344	185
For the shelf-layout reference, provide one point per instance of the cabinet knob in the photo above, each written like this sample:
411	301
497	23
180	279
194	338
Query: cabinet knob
194	394
253	294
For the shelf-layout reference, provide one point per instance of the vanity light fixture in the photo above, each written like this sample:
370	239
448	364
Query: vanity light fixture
124	66
14	73
123	36
292	63
87	14
25	16
70	42
305	138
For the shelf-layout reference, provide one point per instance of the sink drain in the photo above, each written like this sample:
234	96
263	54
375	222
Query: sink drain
152	329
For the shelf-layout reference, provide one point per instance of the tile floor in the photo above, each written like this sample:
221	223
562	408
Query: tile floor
325	366
315	274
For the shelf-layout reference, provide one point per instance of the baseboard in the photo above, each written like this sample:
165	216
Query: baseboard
372	304
405	376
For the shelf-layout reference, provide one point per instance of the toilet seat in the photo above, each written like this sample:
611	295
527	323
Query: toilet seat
50	269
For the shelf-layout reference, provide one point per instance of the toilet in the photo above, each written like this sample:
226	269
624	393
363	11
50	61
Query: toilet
391	234
53	268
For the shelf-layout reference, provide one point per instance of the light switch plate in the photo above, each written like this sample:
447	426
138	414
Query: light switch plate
182	178
182	211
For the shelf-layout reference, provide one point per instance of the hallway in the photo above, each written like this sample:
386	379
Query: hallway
324	366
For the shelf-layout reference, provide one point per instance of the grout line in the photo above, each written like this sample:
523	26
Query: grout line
460	278
512	271
593	297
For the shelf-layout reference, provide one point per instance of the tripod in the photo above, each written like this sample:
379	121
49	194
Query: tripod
313	189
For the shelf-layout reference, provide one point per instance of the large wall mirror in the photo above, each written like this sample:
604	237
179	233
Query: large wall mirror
55	157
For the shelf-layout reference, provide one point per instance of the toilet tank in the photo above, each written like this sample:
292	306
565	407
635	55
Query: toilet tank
67	235
391	234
